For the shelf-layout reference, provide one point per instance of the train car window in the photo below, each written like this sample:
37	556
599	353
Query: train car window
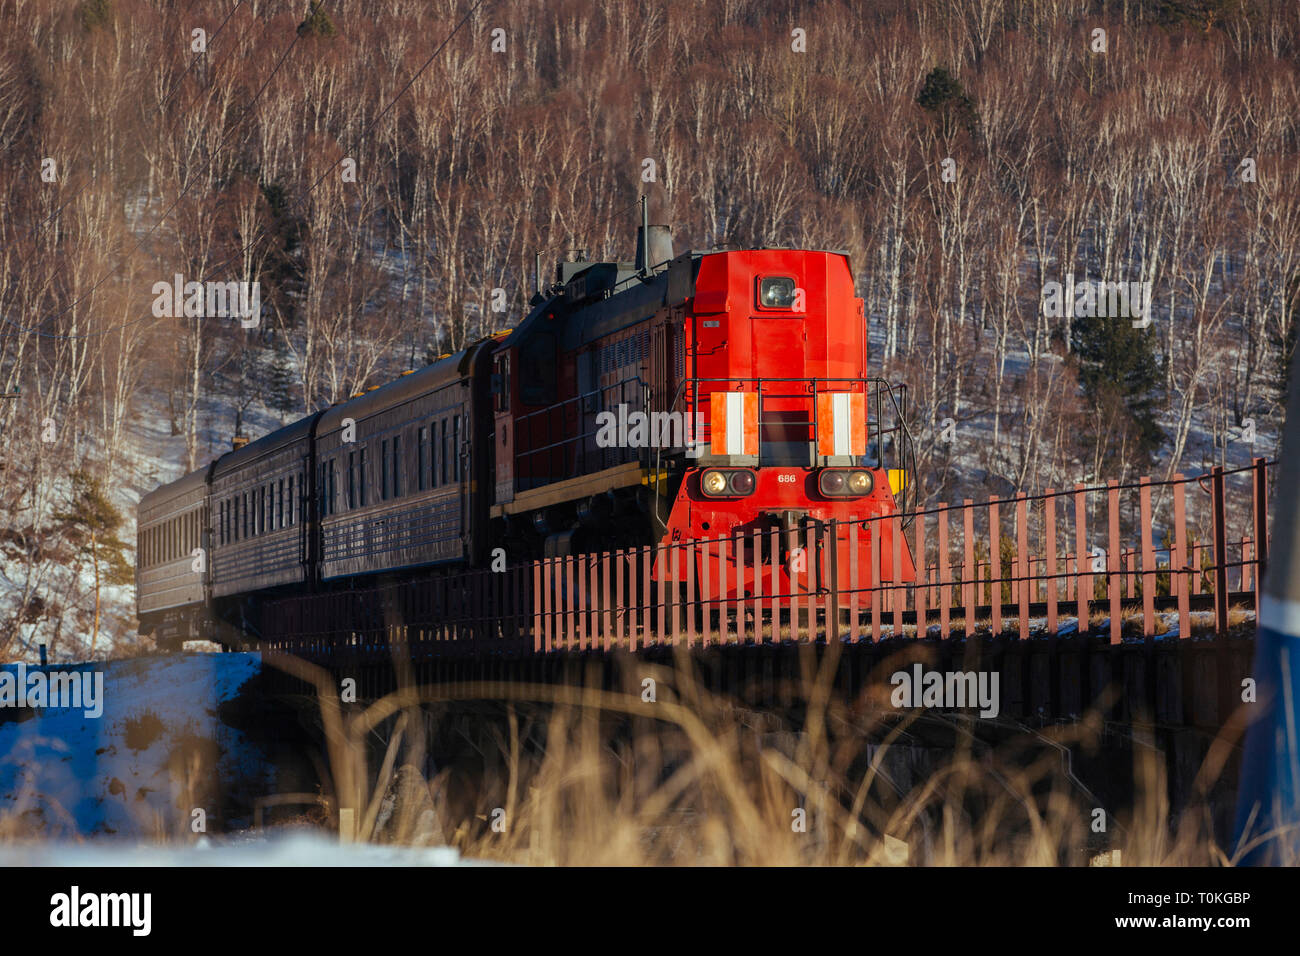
501	383
537	369
442	475
361	477
291	504
397	466
455	448
352	480
279	521
422	459
433	455
383	471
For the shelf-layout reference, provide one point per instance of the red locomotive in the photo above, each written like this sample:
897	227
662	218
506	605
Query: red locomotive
701	395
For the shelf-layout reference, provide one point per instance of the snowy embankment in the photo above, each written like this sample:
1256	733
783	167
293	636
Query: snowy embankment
125	788
294	849
150	766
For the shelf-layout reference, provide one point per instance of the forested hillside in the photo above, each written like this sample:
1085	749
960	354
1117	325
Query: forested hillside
381	168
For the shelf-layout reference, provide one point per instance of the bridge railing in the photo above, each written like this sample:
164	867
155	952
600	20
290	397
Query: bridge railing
1148	560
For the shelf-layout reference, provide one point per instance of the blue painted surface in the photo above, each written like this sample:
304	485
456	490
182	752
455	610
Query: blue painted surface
1270	765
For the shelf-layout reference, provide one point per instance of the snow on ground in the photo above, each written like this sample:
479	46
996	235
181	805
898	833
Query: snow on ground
293	849
157	752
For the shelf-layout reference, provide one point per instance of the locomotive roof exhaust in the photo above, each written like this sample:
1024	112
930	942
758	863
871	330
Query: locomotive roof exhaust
654	244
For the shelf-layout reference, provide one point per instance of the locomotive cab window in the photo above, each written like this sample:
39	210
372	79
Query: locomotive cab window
777	292
537	369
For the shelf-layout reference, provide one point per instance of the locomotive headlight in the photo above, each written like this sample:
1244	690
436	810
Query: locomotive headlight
714	483
719	484
742	482
776	292
845	483
861	483
831	482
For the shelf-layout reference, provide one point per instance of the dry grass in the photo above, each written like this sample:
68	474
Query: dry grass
576	776
572	775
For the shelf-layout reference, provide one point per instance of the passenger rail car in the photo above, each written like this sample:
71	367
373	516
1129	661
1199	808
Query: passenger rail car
667	399
171	583
399	484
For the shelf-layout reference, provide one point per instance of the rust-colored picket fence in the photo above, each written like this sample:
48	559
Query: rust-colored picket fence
1081	559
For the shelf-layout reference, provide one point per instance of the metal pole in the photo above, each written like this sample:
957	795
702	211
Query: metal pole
644	264
1268	807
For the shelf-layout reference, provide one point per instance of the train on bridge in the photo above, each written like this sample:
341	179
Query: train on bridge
649	402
